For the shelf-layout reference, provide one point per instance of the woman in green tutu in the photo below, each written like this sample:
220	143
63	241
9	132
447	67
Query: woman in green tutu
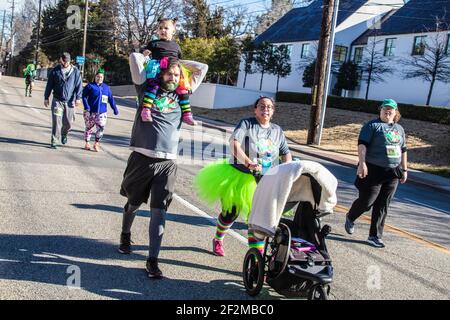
256	144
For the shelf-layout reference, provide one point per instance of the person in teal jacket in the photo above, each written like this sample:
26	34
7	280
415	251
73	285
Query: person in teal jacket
96	96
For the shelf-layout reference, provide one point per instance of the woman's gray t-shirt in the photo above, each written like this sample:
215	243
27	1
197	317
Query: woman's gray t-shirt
385	143
257	141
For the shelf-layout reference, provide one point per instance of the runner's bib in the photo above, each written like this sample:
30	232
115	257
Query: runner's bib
393	151
104	99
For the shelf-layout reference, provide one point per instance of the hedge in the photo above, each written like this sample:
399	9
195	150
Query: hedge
426	113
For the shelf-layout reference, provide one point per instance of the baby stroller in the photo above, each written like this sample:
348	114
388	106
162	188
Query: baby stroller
295	262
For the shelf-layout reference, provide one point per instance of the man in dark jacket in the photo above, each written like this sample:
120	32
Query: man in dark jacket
65	82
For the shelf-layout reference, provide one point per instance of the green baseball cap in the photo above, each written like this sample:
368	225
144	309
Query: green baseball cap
389	103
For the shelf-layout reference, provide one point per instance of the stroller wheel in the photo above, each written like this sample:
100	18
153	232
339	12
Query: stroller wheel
253	272
318	292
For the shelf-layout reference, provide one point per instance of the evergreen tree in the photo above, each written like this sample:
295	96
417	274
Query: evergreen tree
196	15
308	75
264	60
248	55
348	76
55	35
281	66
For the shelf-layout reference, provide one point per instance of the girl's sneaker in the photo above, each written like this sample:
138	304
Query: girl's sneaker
87	146
96	146
146	115
188	118
218	248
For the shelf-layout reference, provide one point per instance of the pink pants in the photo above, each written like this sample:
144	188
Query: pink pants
94	120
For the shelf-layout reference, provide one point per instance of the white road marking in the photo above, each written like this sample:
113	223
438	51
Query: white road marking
207	216
427	206
29	106
8	260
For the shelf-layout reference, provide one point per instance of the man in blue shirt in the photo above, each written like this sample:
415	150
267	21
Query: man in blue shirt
65	83
96	96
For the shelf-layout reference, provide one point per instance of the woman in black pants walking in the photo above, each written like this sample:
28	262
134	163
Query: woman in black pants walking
382	163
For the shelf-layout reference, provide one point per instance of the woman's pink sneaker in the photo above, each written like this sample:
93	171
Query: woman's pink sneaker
218	248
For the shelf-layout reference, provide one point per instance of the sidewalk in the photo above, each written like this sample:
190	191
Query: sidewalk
415	176
430	180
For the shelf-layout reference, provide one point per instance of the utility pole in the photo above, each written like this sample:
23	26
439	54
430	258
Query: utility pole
84	37
10	67
328	77
3	33
38	34
323	67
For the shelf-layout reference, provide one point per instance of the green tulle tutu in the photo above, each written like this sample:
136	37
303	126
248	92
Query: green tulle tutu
221	182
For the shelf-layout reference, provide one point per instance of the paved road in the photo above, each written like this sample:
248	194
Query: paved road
61	217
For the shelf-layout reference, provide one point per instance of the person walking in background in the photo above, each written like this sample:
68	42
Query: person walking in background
29	74
96	96
65	83
383	162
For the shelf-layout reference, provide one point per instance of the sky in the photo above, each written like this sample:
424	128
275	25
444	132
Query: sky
6	5
252	5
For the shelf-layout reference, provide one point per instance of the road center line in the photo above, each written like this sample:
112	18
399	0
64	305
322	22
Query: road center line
402	233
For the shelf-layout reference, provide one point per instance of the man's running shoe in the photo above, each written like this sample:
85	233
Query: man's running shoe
375	242
152	268
125	243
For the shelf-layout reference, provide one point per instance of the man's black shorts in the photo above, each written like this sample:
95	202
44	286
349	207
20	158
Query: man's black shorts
144	174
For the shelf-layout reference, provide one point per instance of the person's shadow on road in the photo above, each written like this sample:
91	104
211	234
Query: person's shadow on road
69	261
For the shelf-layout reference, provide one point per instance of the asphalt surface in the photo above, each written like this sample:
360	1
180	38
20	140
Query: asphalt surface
61	221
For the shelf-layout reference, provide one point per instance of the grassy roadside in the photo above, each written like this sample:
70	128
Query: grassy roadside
428	143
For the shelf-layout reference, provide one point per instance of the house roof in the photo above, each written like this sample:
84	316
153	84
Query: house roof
364	38
304	24
416	16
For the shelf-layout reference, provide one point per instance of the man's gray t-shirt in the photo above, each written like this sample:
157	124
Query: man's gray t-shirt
160	138
385	143
257	141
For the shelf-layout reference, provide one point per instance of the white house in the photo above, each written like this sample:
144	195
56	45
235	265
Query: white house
396	27
400	38
300	30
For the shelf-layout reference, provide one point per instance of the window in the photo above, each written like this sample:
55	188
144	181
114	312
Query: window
389	47
305	50
289	49
340	53
448	44
419	46
357	55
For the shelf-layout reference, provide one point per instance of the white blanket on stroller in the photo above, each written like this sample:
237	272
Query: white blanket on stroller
283	184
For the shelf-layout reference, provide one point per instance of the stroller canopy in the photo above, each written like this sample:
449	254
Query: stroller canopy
290	182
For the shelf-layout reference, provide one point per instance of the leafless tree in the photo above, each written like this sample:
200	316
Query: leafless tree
139	19
434	64
374	65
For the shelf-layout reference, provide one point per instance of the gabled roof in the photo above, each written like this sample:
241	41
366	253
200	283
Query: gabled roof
417	16
304	24
364	38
